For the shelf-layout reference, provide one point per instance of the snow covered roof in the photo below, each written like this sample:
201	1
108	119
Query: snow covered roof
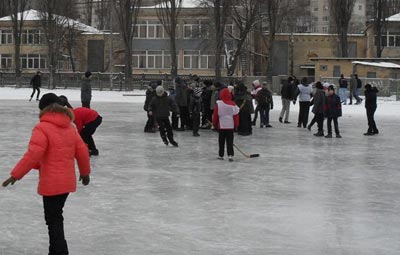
185	4
34	15
394	18
377	64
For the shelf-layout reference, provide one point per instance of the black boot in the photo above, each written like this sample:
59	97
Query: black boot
319	134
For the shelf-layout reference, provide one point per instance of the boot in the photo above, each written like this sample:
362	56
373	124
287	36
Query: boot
175	144
338	136
230	158
328	136
319	134
280	119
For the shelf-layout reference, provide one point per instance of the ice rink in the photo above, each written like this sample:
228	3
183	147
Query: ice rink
303	196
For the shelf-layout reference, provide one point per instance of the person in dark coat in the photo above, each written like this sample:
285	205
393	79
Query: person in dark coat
36	83
333	110
86	90
288	93
159	107
357	89
371	105
343	85
195	108
182	101
174	116
319	108
265	103
206	105
243	100
150	93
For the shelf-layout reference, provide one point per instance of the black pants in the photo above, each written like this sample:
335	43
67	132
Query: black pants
165	129
319	117
245	127
225	136
86	104
149	123
196	122
304	113
256	113
88	131
35	88
335	123
175	121
184	112
207	115
53	214
371	121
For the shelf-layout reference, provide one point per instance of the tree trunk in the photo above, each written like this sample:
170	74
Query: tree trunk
128	67
270	58
218	64
174	60
17	60
232	68
344	43
71	59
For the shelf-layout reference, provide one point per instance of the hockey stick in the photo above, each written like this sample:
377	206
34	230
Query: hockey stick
244	154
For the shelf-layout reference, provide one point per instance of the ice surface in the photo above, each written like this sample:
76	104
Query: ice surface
303	196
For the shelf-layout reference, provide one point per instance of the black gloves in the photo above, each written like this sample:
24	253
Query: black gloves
85	180
10	180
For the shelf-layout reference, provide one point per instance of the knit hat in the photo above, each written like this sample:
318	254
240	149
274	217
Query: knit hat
48	99
319	85
160	91
231	88
256	83
88	74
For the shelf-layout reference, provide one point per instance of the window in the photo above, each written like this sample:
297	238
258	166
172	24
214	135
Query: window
141	29
200	60
360	7
325	18
323	68
32	37
196	29
5	61
324	30
229	29
315	9
156	59
6	37
33	61
154	30
139	60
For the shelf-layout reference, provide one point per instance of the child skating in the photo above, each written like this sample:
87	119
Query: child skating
225	120
159	107
53	148
333	111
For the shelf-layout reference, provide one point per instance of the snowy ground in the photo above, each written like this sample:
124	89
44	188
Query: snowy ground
303	196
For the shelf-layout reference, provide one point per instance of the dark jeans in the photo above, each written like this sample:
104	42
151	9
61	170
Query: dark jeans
256	111
53	214
225	136
165	130
149	124
86	104
35	88
335	123
175	121
304	113
264	114
88	131
319	117
371	121
196	122
184	112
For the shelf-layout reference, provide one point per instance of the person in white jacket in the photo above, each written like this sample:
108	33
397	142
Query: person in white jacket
304	93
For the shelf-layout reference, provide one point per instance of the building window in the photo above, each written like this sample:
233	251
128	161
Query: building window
325	18
323	68
5	61
324	30
32	37
155	30
33	61
196	29
360	7
152	59
6	37
200	60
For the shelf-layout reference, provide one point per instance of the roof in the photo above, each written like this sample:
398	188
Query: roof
34	15
394	18
185	4
377	64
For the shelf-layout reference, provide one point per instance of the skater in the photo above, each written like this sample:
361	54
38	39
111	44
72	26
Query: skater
36	83
195	108
181	98
206	105
264	103
304	92
174	118
86	90
244	100
318	109
343	89
357	89
159	107
333	110
225	120
353	85
86	121
150	93
371	105
53	148
256	88
288	95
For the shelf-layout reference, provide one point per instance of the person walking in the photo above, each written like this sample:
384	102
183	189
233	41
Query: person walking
36	83
343	89
53	148
244	101
353	85
150	93
318	108
288	96
264	103
182	99
357	89
225	120
86	90
371	106
195	108
304	93
333	111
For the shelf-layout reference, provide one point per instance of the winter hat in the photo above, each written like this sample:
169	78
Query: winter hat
160	91
88	74
368	86
231	88
256	83
64	101
331	87
48	99
319	85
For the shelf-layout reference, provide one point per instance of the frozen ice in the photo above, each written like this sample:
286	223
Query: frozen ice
303	196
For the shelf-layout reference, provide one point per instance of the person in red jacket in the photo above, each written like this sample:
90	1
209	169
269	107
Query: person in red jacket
225	120
87	121
53	148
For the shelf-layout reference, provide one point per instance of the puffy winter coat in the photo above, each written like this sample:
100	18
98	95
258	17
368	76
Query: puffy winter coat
371	97
226	112
304	92
36	81
181	97
333	106
319	102
86	90
160	106
84	116
54	145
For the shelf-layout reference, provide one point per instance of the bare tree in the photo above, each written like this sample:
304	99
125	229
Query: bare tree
71	31
245	16
127	13
89	12
342	11
54	28
220	11
3	9
168	13
102	11
16	7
